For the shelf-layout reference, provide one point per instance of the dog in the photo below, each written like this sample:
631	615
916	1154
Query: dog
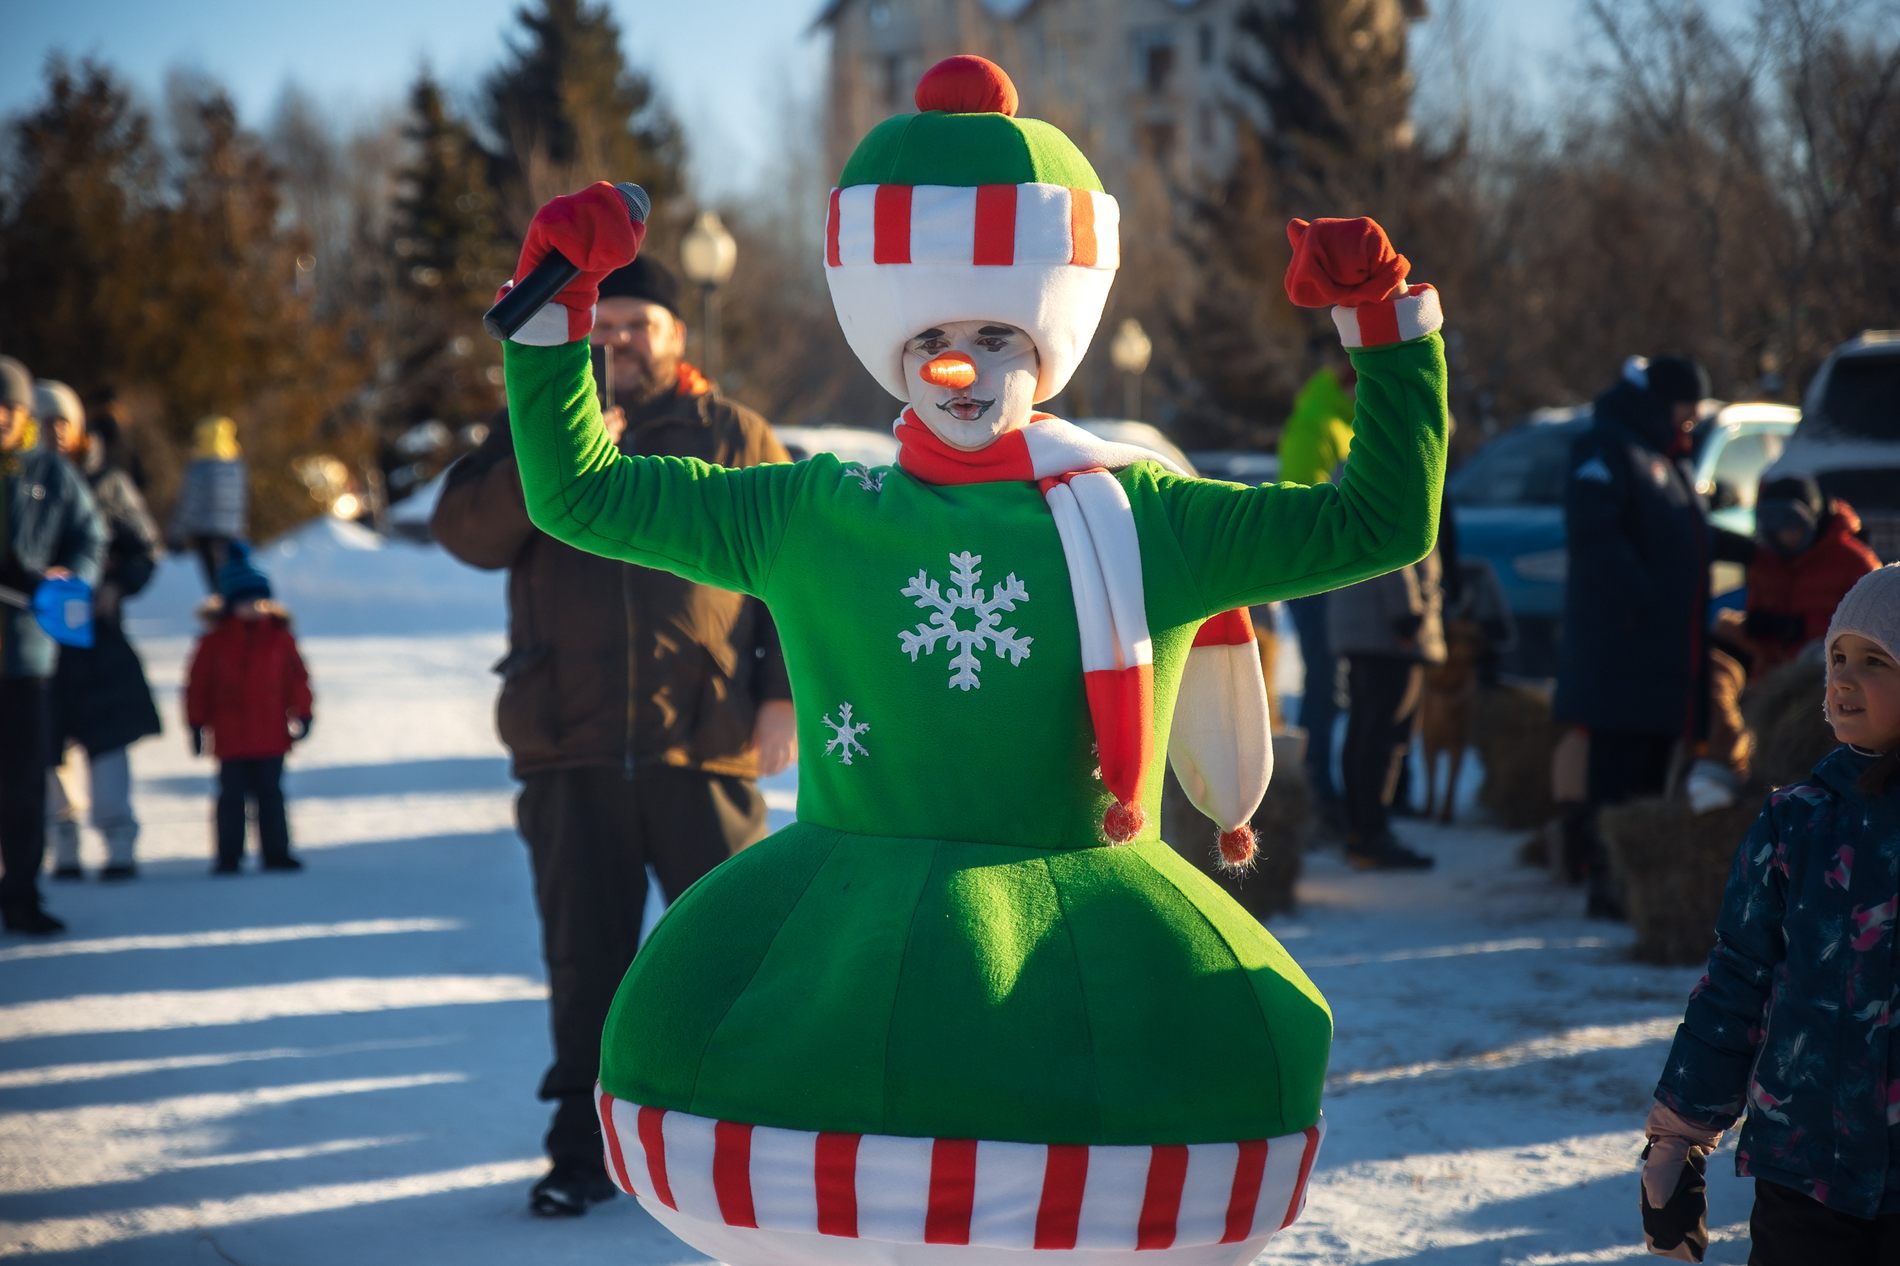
1444	711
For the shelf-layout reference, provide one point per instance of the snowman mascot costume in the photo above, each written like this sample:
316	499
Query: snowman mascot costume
969	1007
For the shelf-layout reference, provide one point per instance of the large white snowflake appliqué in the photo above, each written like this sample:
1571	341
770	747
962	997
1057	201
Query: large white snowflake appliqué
868	479
965	595
844	740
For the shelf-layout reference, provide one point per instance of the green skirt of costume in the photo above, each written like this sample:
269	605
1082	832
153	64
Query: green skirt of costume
829	981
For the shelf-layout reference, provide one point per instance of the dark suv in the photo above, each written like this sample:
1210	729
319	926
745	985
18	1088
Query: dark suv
1849	437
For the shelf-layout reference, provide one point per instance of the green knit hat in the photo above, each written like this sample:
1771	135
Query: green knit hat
964	212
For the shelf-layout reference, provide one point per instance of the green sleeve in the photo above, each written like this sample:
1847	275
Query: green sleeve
706	523
1252	545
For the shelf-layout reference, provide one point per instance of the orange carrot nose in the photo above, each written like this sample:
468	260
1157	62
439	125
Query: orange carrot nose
951	369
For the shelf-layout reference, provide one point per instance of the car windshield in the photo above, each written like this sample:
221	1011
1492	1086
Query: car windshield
1862	398
1525	467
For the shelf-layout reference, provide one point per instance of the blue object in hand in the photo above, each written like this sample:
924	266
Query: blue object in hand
61	605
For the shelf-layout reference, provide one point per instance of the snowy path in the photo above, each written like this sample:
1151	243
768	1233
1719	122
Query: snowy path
339	1065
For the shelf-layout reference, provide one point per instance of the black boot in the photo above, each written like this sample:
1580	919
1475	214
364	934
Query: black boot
1385	853
32	920
569	1190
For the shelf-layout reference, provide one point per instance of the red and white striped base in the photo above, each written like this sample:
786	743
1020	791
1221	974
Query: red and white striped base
756	1196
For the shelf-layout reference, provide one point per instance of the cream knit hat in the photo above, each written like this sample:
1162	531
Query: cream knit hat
1871	609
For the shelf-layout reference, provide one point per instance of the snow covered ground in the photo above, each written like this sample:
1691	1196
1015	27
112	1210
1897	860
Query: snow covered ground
339	1065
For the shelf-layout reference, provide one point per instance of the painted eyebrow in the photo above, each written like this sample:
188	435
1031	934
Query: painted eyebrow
997	329
930	333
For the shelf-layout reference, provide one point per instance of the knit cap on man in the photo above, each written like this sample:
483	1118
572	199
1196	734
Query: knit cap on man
964	212
240	579
1872	610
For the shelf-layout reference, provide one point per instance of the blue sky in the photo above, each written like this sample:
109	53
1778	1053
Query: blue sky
727	66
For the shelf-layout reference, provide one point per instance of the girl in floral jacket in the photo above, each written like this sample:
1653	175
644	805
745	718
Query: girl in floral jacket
1793	1023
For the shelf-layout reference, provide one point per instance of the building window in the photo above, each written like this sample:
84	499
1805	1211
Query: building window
1154	58
1157	141
1206	38
896	82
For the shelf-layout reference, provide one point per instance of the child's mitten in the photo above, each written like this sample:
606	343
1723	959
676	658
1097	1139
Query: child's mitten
1675	1190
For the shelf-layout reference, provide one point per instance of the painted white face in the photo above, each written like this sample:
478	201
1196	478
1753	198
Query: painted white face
1000	398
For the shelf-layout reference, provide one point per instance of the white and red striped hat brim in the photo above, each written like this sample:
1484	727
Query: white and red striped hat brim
692	1171
902	258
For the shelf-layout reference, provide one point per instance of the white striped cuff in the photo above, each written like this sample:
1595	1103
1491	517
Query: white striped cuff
957	1191
1400	319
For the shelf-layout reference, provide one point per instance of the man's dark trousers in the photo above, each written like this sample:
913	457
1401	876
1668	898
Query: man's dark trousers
591	834
1383	691
23	753
1623	765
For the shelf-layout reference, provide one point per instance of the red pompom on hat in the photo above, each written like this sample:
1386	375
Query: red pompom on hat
966	84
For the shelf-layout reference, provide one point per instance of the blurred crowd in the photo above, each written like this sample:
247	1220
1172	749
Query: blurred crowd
77	540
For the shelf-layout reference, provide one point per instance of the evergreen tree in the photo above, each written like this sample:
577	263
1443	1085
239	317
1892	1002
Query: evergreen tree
241	336
565	110
76	212
1322	114
168	275
446	237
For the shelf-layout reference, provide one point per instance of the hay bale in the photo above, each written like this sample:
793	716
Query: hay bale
1283	825
1672	866
1514	735
1784	711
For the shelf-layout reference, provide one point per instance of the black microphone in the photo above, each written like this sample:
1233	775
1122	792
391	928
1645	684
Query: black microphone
549	277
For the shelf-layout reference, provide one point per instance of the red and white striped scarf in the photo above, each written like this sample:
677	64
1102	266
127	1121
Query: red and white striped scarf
1222	751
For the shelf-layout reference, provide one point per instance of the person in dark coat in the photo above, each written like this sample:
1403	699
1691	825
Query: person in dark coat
628	696
49	528
101	701
247	684
1632	664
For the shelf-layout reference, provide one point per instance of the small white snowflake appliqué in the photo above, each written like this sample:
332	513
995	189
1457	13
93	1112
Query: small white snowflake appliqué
868	479
965	594
844	740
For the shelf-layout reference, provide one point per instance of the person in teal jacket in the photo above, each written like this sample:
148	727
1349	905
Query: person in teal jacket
969	1000
49	527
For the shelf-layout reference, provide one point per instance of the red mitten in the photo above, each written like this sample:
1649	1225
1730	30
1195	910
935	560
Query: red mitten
593	230
1343	262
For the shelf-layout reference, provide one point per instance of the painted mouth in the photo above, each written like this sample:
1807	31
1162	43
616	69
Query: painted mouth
966	408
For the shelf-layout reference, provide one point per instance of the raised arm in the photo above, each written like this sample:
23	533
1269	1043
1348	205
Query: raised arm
1252	545
705	523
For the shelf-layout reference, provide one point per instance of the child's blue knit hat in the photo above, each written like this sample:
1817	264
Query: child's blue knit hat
240	578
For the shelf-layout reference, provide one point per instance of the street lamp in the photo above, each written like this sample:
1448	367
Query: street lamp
1129	350
707	256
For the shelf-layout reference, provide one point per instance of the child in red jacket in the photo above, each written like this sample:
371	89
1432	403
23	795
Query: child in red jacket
247	685
1810	558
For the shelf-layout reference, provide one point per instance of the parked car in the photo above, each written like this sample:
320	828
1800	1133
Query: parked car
1509	503
1849	437
851	443
1140	434
1237	465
